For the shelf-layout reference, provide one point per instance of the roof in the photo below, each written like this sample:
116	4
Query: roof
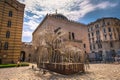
60	16
102	19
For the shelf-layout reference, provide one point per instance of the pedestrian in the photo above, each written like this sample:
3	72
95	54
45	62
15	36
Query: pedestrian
118	59
18	63
87	66
32	66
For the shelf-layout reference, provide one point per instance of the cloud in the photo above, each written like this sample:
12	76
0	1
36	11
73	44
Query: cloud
106	4
27	34
72	9
31	24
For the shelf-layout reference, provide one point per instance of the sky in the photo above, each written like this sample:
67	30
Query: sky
83	11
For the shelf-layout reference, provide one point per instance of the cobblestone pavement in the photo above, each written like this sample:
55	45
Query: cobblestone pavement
96	72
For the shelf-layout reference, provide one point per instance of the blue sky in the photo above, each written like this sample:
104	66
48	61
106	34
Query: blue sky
83	11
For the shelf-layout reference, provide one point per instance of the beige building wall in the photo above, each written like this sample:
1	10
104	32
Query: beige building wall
104	35
11	23
27	51
54	21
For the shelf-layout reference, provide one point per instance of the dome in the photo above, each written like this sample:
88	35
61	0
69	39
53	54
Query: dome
60	16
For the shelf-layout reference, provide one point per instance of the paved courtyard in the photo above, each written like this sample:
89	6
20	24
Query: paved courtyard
96	72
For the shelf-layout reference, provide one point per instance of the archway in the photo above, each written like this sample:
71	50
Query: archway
22	56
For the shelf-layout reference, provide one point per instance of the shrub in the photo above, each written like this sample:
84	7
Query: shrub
7	65
24	64
13	65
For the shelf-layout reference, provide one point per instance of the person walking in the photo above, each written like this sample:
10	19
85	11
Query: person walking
18	63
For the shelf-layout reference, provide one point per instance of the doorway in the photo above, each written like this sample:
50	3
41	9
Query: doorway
22	56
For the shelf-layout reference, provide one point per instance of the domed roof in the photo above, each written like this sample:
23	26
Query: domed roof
60	16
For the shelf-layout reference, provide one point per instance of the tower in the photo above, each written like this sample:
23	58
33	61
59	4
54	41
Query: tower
11	22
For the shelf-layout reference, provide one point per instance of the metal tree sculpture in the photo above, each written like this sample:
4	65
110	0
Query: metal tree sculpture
54	54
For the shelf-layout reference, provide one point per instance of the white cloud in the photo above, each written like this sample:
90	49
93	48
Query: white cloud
29	27
106	4
73	9
31	24
42	7
27	34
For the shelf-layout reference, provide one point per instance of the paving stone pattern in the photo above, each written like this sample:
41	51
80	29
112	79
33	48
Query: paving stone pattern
96	72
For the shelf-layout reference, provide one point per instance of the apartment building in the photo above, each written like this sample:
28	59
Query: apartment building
104	37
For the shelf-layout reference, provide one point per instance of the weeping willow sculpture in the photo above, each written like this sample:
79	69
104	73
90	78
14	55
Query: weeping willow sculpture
57	54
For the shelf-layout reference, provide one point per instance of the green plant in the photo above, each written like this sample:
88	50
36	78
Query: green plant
7	65
13	65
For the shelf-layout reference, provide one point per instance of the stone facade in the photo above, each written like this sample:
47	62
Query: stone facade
11	23
104	37
75	32
27	52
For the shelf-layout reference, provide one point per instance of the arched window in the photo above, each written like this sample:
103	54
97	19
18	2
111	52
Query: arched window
8	34
10	14
69	35
0	45
111	44
6	46
109	29
84	45
29	55
56	30
73	36
110	36
104	30
9	24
